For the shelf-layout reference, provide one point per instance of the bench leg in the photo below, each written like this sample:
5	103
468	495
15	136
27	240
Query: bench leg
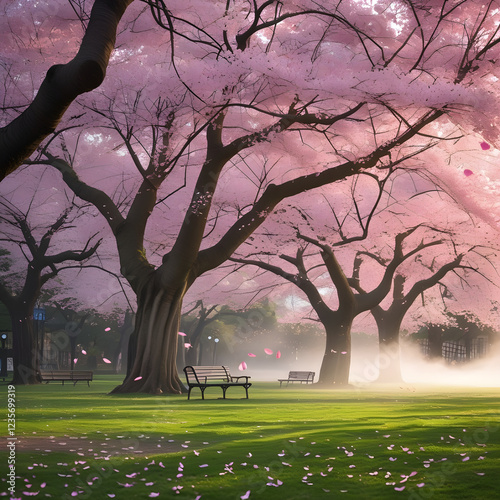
202	392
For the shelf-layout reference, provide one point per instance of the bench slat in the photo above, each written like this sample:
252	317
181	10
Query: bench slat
67	375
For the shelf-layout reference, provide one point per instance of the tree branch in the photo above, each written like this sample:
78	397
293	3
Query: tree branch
62	85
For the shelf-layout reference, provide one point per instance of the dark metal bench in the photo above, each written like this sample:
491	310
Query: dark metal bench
67	376
213	376
294	376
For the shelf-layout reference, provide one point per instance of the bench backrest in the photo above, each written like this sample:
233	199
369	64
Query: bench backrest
302	375
69	374
204	374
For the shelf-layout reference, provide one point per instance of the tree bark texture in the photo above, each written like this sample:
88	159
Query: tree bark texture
389	352
336	362
154	368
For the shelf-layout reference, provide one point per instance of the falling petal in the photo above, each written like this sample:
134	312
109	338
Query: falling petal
278	354
137	378
245	496
485	146
182	334
106	360
107	329
480	473
252	355
399	489
243	366
153	494
84	352
187	345
268	351
468	172
343	352
75	360
420	485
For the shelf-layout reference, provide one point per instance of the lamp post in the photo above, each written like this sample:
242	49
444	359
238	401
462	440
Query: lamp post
216	340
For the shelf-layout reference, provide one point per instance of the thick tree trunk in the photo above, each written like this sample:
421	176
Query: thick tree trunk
154	342
336	363
389	361
389	355
25	347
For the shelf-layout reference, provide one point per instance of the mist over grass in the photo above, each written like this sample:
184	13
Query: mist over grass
415	368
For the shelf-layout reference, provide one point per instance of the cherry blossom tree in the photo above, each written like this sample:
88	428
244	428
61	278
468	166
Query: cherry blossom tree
389	320
20	294
418	259
262	103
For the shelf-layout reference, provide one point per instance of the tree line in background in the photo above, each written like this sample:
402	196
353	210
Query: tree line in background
72	339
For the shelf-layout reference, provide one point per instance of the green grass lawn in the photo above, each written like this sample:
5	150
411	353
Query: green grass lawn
297	442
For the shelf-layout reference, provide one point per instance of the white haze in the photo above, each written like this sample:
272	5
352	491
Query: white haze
483	372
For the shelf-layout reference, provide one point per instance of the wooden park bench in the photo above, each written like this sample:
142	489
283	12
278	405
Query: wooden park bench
307	377
213	376
67	376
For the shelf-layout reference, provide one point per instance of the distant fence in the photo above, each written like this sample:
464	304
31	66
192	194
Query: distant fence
453	351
